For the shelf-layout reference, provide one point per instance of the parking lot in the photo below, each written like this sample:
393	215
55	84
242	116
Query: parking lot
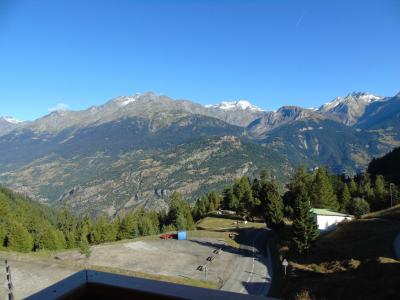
152	256
163	257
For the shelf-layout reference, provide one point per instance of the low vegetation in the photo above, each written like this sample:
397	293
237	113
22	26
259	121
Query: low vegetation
356	260
215	223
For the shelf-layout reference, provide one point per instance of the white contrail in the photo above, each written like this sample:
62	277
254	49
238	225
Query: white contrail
299	20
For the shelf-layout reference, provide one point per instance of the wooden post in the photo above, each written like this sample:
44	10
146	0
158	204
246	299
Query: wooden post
9	282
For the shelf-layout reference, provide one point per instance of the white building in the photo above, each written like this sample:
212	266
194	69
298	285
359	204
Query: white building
327	220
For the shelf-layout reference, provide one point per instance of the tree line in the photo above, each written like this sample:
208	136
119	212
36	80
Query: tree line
356	195
29	226
258	198
265	199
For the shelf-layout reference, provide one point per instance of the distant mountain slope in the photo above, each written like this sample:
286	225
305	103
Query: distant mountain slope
8	124
133	150
160	132
383	114
144	179
286	114
324	142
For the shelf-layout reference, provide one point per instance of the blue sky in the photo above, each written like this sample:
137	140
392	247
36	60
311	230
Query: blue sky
272	52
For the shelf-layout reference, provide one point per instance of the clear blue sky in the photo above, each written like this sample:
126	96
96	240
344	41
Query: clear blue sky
271	52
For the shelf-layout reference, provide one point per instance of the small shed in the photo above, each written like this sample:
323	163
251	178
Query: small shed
181	235
327	220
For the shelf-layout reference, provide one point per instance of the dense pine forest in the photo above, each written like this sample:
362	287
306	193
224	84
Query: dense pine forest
27	226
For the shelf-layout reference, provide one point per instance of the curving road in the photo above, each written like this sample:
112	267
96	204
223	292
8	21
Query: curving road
253	272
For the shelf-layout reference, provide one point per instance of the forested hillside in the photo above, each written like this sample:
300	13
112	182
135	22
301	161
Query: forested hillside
27	226
388	166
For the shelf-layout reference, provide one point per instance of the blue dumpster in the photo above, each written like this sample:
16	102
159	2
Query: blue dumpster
181	235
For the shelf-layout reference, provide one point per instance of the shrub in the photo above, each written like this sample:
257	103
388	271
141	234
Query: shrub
358	207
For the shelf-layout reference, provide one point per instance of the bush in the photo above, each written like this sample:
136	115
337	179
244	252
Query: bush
358	207
84	247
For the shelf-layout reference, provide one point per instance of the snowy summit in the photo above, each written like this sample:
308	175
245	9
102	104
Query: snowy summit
357	97
11	120
235	105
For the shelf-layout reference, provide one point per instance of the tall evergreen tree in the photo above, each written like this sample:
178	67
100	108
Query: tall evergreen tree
345	198
18	238
214	200
322	193
380	194
274	208
179	208
84	247
128	227
305	230
299	180
227	196
353	188
66	222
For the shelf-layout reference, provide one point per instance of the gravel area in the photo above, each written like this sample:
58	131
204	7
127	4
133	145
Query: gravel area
31	274
163	257
30	277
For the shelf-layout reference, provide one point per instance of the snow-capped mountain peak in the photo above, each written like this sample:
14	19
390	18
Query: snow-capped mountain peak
235	105
355	97
11	120
124	101
349	108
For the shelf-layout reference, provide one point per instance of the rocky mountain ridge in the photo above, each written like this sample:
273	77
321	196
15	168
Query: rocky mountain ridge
134	150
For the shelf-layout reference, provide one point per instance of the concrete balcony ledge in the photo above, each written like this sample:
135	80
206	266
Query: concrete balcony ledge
89	284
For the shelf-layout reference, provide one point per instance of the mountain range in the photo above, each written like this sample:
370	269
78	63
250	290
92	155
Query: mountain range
134	150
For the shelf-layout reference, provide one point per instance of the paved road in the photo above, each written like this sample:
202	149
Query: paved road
397	246
253	271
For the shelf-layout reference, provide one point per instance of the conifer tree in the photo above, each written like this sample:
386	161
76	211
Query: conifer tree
305	230
128	227
274	209
66	221
345	198
300	179
353	188
227	198
19	239
215	200
84	247
322	193
380	193
180	222
179	208
70	239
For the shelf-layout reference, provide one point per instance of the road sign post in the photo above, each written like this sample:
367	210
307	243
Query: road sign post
285	264
391	194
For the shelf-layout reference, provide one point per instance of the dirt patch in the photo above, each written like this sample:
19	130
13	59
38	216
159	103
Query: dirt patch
162	257
31	277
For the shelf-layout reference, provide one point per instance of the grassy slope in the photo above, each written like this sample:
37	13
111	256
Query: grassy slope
356	261
212	223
